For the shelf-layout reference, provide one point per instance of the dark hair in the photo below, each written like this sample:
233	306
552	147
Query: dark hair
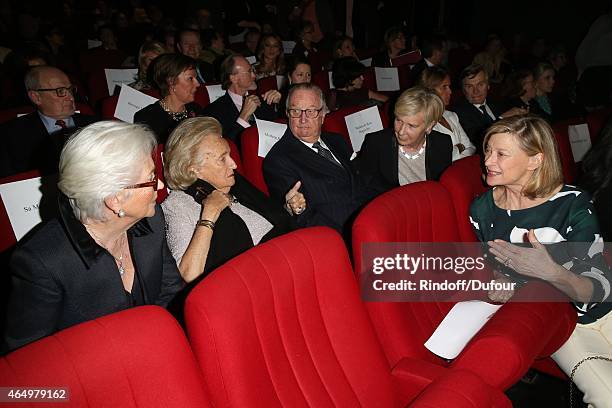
432	77
540	68
338	44
431	44
208	36
345	70
471	71
166	68
513	84
597	163
293	61
303	26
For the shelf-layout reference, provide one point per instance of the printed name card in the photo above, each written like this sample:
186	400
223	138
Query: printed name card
238	38
281	81
367	62
359	124
269	134
116	77
331	80
22	200
214	92
131	101
580	140
387	79
252	59
288	46
93	44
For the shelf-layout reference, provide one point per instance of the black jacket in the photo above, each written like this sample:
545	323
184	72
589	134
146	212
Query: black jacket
474	122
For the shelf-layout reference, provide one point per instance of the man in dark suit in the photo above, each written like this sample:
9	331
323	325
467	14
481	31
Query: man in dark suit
434	53
190	44
34	141
237	109
475	112
321	161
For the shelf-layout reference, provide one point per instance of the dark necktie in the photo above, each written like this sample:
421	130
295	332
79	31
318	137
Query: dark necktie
61	124
325	153
483	109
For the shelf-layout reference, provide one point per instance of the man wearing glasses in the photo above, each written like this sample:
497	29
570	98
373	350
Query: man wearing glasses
238	108
34	141
321	161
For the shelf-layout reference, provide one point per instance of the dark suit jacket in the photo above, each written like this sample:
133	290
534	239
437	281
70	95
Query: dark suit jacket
473	121
224	110
61	277
333	193
26	145
160	122
378	159
416	70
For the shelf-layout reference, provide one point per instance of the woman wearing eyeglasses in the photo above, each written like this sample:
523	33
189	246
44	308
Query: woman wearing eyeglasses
213	213
107	250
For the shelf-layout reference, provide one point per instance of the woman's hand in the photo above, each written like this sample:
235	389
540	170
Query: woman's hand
213	204
295	201
500	295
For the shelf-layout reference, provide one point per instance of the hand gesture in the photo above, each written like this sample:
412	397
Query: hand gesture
272	96
249	105
294	200
500	295
213	204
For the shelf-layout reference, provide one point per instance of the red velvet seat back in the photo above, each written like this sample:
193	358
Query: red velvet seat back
135	358
597	120
282	325
252	163
418	212
560	129
463	180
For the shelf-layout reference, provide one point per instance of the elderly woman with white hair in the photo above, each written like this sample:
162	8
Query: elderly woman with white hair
107	250
213	213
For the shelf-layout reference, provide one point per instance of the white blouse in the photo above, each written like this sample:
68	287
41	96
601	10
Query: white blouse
457	135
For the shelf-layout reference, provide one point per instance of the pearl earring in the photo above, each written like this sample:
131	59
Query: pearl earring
121	213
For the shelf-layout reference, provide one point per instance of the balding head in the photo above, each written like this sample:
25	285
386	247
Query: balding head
43	85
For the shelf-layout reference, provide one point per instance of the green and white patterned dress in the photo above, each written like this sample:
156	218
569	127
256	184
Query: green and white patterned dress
567	217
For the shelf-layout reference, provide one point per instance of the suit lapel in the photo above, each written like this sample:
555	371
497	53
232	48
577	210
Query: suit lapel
310	158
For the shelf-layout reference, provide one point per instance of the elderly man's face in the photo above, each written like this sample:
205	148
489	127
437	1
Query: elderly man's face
243	77
189	45
476	88
303	127
48	103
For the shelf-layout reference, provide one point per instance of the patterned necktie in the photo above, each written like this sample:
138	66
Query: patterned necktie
483	109
61	124
325	153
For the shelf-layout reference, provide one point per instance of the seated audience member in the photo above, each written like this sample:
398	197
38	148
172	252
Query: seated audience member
438	80
305	45
475	112
433	51
251	40
493	59
530	204
347	75
270	58
519	92
298	72
189	44
34	141
174	76
319	161
107	251
214	51
14	68
394	45
544	77
597	178
344	47
237	109
147	53
411	151
213	213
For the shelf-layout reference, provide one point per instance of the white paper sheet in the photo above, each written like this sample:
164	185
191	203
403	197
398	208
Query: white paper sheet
238	38
252	59
461	323
131	101
93	44
281	81
361	123
367	62
214	92
269	134
580	140
387	79
288	46
331	81
116	77
21	200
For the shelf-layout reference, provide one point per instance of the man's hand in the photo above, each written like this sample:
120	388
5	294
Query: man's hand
249	106
294	200
272	96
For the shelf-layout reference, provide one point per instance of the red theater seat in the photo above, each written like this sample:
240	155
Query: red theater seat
597	120
560	130
282	325
7	235
503	350
135	358
252	163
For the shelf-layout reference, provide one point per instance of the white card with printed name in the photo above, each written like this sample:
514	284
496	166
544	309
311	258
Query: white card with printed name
21	200
288	46
367	62
331	80
252	59
387	79
116	77
269	134
458	327
214	92
580	140
359	124
131	101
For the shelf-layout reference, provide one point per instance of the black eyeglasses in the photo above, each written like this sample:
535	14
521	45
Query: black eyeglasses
310	113
152	183
61	91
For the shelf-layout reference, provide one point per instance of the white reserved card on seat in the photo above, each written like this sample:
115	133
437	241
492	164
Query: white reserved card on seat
367	62
21	200
214	92
458	327
288	46
387	79
252	59
580	140
331	80
359	124
131	101
116	77
269	134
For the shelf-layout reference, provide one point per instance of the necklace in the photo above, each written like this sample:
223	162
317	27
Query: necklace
176	116
412	156
119	260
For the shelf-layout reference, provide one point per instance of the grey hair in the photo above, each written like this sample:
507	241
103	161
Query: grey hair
307	86
98	161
